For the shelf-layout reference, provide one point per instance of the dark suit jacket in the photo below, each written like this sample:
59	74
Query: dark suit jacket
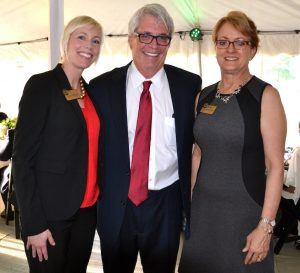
50	152
109	93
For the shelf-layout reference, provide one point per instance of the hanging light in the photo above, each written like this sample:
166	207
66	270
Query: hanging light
196	34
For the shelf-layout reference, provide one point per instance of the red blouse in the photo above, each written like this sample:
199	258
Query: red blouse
93	129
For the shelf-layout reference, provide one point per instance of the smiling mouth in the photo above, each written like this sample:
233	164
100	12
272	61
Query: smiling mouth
231	58
85	55
151	54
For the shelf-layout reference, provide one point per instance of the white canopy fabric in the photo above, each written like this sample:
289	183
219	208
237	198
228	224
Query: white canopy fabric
24	20
29	19
277	61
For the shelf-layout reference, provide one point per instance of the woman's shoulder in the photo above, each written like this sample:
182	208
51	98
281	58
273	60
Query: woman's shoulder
39	86
210	87
205	94
257	87
40	79
271	95
208	90
258	81
49	75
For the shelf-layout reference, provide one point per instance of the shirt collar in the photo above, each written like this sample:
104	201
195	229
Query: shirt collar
137	78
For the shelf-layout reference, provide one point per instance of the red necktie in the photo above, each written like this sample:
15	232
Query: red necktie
138	189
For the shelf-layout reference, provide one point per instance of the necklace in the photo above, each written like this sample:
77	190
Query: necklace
226	98
82	89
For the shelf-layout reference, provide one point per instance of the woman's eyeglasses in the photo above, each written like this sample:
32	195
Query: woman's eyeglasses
238	44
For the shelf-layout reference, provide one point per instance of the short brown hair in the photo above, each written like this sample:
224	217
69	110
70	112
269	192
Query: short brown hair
242	23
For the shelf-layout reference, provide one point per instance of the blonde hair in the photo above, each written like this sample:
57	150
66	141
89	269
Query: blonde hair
242	23
74	24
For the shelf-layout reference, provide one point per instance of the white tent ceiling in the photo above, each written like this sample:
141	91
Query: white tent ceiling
23	20
29	19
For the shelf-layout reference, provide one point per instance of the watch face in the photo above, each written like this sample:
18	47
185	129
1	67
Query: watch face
273	223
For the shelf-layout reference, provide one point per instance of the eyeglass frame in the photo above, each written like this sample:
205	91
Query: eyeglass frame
153	37
233	43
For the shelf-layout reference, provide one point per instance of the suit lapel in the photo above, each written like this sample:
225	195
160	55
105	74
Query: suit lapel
117	100
63	83
175	87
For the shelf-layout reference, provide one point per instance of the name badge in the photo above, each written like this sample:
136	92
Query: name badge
72	94
208	109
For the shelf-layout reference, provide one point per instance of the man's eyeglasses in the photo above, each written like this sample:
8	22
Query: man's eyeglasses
147	38
238	44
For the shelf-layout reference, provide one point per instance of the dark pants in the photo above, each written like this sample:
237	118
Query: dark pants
73	244
152	229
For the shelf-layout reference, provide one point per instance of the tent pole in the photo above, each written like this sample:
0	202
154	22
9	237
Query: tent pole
56	28
200	60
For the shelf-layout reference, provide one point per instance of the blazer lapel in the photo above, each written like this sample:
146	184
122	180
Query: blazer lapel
63	83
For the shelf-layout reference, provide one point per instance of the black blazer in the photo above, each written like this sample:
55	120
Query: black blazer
109	93
50	152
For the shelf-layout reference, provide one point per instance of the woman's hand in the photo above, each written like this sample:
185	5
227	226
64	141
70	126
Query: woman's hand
38	244
257	245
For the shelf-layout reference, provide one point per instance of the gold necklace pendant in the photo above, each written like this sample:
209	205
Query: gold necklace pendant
82	89
74	94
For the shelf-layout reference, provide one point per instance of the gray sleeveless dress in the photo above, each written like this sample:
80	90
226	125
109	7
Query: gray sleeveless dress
228	195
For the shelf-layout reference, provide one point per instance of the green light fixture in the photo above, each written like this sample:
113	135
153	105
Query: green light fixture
196	34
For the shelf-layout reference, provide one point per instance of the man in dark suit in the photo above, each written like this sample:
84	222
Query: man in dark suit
148	111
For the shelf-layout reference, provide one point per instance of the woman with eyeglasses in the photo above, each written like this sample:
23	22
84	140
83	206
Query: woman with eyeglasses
240	132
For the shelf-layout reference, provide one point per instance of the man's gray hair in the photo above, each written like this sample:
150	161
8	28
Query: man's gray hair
155	10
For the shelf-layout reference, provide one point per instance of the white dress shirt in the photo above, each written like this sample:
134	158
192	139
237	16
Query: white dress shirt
163	162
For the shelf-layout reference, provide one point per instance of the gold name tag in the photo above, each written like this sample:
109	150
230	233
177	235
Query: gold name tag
208	109
72	94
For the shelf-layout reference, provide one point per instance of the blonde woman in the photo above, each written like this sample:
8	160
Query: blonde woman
55	161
